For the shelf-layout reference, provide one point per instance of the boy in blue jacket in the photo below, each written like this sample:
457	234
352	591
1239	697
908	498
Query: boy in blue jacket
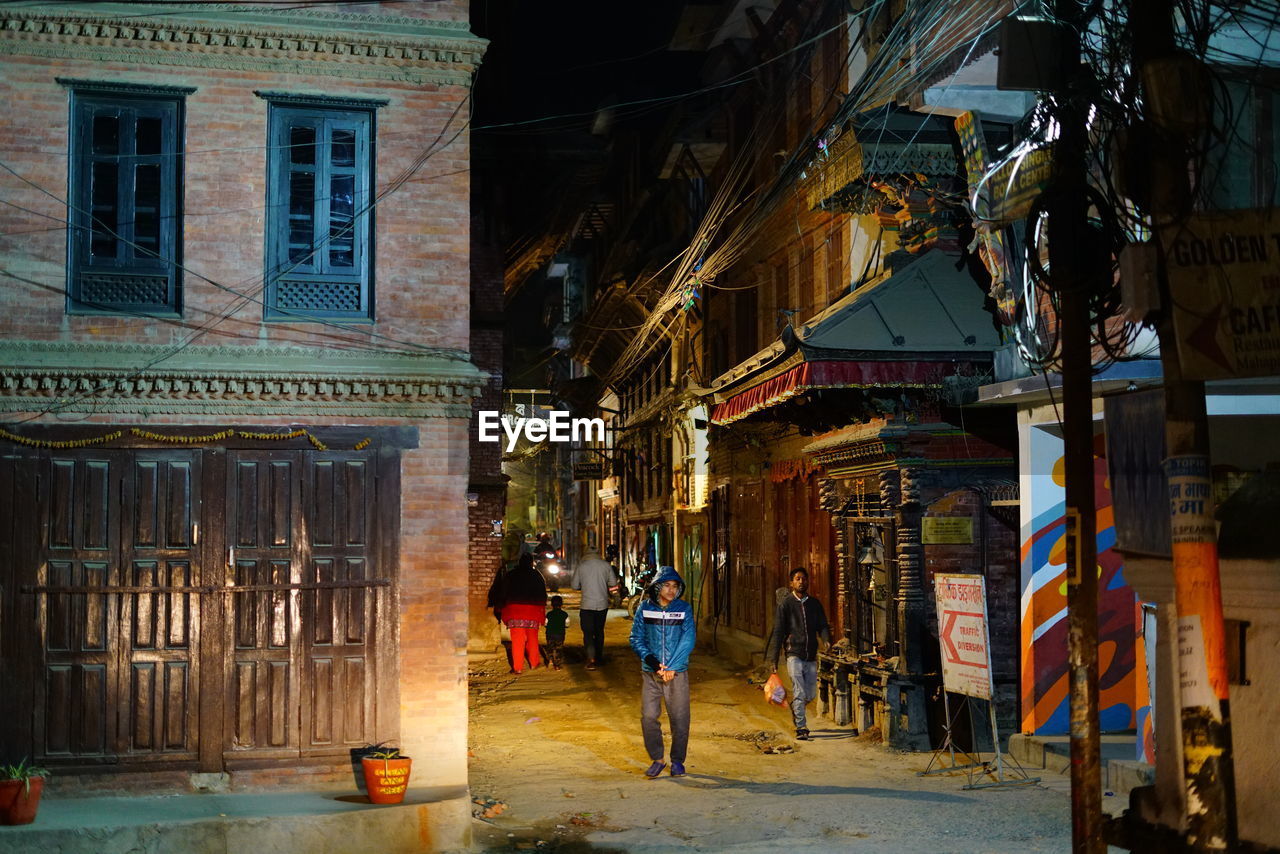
662	635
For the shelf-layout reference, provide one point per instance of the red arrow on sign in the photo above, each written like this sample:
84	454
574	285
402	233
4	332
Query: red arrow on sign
953	654
1205	338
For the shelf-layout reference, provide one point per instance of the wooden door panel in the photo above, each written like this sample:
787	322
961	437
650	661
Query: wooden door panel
338	503
79	509
263	619
159	699
76	714
263	513
263	493
339	495
163	501
77	692
262	714
162	670
160	675
748	578
338	615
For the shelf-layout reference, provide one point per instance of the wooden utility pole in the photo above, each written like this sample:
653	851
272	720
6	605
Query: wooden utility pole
1073	278
1207	765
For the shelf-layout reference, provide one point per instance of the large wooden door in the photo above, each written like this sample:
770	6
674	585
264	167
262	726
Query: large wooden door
119	674
195	607
302	566
339	501
77	686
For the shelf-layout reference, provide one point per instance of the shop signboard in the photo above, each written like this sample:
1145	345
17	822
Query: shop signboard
962	634
1008	192
588	470
1224	279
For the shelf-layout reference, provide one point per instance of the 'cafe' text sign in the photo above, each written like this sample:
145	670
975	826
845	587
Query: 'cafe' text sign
1224	277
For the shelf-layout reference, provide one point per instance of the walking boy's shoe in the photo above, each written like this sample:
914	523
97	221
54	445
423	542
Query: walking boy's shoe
656	768
802	734
677	769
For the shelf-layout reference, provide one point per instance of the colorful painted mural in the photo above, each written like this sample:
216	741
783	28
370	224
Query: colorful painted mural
1123	703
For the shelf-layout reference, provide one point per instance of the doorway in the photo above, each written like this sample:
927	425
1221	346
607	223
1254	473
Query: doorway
195	608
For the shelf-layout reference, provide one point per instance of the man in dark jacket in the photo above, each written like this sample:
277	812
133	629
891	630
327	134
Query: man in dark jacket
798	622
662	635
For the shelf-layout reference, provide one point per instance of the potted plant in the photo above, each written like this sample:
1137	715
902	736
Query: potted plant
20	788
386	774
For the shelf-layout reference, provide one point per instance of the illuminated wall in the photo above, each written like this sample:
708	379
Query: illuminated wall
1123	696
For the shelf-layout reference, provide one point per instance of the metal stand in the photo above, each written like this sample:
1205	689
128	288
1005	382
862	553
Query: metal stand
977	766
1000	780
949	744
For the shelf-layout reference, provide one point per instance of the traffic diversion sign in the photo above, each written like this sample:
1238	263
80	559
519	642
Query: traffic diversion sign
962	634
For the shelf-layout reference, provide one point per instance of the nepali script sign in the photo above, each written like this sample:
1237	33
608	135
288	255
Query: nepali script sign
962	634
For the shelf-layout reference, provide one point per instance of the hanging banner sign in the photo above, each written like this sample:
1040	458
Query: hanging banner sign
962	634
1224	278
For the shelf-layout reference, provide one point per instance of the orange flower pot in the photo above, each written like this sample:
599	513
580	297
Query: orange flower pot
386	779
17	805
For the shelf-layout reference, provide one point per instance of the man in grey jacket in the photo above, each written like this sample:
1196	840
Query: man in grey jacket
597	580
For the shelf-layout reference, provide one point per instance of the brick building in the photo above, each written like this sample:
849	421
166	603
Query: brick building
236	386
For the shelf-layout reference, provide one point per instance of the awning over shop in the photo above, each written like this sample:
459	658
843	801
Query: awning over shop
911	330
830	374
929	306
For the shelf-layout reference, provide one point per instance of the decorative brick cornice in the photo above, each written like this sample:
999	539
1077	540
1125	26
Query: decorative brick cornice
236	380
377	47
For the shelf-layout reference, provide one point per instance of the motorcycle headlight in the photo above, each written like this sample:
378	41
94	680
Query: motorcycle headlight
554	569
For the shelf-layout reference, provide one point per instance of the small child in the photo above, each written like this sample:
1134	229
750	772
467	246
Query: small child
557	620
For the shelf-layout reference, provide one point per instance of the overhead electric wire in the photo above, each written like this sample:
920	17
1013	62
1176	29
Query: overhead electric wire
904	31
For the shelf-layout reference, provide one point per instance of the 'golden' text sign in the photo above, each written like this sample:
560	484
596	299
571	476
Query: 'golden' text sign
1224	277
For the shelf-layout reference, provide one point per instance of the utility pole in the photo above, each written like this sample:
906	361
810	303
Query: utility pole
1074	276
1207	764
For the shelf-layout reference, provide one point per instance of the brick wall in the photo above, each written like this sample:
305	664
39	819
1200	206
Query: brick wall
433	601
421	249
994	553
422	280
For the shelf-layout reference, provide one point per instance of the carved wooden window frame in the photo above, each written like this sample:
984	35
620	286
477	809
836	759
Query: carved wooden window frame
128	261
313	285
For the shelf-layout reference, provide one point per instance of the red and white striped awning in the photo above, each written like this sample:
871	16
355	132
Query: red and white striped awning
831	374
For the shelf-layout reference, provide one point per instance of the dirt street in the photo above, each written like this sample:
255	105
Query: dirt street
557	762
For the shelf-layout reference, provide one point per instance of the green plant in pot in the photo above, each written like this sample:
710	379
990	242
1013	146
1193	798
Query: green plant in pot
386	774
20	788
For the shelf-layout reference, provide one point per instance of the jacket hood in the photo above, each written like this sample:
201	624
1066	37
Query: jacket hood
665	574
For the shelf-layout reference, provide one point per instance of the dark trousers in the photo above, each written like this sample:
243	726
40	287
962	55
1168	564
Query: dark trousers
555	648
593	633
675	696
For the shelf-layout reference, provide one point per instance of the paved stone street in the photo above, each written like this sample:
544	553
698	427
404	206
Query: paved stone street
557	760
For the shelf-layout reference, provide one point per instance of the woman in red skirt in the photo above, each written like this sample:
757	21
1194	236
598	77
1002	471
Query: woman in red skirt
519	600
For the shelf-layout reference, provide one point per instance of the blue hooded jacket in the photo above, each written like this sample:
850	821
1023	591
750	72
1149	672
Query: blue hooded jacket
663	635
